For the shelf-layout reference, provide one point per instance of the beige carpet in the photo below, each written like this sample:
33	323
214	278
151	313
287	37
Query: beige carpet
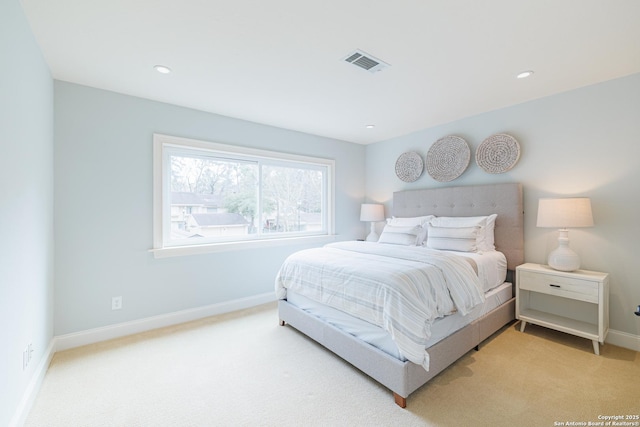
242	369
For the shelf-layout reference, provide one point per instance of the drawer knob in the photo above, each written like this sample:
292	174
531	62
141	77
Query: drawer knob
554	286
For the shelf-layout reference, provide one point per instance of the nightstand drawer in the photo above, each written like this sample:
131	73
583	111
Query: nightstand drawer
578	289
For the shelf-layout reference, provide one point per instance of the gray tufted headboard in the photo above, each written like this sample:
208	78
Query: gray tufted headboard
502	199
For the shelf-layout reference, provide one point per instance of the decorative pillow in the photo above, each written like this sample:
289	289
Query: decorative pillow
462	239
396	235
412	221
485	240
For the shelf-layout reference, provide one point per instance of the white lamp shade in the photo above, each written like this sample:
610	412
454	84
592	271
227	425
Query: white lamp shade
565	213
371	212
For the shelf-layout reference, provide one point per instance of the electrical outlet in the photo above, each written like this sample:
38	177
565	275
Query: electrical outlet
116	303
27	355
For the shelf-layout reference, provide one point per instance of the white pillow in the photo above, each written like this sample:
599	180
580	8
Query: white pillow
397	235
485	240
489	233
462	239
412	221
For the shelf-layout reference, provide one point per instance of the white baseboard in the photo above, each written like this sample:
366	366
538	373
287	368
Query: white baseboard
623	339
77	339
30	394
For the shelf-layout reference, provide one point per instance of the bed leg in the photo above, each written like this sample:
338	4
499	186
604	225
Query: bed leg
400	401
281	322
477	348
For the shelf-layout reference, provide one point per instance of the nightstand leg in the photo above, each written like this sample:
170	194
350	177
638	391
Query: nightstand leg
522	325
596	347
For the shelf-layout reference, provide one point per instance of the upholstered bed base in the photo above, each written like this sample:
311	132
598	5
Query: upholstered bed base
402	378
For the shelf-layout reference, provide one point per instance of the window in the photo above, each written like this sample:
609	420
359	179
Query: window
210	196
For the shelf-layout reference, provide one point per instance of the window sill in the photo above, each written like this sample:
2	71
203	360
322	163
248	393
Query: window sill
234	246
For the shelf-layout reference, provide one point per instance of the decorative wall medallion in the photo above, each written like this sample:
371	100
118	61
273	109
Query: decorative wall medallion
409	166
448	158
498	153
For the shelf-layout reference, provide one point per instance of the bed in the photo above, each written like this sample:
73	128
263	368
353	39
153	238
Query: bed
384	353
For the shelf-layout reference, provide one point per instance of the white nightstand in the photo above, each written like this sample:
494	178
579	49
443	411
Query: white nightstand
574	302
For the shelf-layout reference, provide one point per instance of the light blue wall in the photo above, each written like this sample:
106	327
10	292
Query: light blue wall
26	206
103	209
584	142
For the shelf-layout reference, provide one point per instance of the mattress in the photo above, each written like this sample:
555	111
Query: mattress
379	338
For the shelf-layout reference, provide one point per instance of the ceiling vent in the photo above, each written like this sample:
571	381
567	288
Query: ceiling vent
366	61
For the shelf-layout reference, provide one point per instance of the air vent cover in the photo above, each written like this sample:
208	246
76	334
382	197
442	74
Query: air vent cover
366	61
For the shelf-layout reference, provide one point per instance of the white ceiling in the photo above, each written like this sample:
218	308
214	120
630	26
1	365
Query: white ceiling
280	62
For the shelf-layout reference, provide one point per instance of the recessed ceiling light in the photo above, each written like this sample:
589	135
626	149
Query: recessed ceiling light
162	69
524	74
370	126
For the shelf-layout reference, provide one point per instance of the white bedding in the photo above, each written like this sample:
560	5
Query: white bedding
379	338
401	289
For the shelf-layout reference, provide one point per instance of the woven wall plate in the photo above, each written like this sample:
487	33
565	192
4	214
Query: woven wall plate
448	158
498	154
409	166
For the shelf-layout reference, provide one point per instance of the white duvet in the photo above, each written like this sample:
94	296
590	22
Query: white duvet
400	289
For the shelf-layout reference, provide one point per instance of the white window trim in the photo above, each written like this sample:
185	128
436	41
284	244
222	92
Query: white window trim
160	250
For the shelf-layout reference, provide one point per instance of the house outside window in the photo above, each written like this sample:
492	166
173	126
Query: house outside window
211	196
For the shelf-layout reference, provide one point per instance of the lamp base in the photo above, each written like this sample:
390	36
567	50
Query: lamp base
563	258
373	236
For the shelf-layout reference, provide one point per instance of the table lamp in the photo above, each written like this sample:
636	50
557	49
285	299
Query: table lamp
563	214
373	213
